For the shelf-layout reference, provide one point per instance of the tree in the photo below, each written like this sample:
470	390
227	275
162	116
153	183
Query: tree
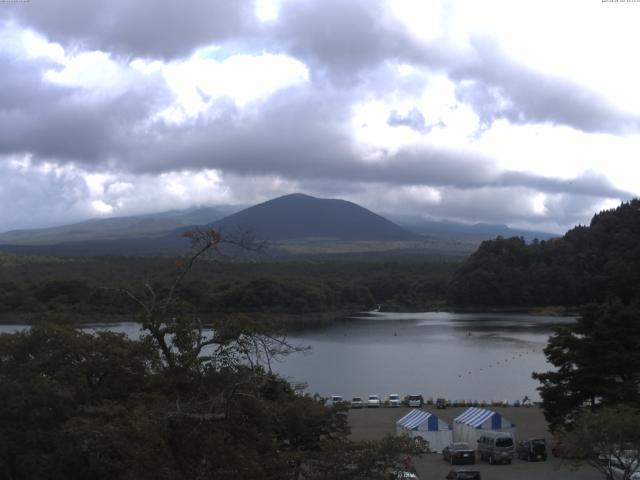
606	439
181	402
597	363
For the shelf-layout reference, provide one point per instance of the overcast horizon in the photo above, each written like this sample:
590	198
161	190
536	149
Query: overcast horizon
516	112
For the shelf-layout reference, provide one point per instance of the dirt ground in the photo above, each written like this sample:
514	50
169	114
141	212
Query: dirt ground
369	424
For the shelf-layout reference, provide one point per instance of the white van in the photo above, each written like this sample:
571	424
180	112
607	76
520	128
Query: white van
496	447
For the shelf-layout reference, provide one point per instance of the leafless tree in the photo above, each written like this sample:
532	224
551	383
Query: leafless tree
182	338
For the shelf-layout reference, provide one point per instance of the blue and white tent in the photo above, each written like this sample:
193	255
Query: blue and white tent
468	426
418	423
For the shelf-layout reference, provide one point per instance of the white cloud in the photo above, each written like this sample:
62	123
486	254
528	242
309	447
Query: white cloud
325	78
101	207
267	10
242	78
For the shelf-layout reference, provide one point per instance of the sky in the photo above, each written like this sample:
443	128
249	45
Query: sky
502	111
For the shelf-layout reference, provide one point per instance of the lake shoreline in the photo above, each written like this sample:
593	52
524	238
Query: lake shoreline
293	322
461	356
280	321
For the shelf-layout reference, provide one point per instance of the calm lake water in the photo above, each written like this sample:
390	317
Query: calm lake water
456	356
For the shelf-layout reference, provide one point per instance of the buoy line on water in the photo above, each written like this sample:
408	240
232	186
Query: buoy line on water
507	360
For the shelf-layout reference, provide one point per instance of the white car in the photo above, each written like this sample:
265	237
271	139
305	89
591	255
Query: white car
403	475
373	401
394	400
617	465
336	399
356	402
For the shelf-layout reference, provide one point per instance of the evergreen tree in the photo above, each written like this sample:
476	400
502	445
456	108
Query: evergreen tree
597	363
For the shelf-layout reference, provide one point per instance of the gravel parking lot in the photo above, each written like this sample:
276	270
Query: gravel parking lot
369	424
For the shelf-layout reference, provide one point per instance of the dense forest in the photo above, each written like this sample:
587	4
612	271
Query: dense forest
588	264
176	403
90	288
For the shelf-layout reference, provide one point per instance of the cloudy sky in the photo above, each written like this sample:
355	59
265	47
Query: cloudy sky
515	111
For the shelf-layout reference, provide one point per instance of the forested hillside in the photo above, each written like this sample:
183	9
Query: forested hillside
87	288
588	264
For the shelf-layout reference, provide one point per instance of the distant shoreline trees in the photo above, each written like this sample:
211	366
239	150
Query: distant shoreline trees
178	403
588	264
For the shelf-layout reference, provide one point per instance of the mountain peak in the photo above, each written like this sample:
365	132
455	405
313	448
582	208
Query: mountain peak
298	215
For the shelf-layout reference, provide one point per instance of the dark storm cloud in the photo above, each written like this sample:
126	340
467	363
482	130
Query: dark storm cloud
145	28
342	42
339	40
499	87
66	123
308	142
299	134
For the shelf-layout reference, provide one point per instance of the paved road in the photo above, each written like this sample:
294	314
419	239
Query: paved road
369	424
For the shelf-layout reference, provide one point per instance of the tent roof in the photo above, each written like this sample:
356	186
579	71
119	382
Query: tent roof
474	417
414	418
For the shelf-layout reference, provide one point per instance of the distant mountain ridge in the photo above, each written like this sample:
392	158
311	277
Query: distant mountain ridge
295	224
298	216
143	226
451	229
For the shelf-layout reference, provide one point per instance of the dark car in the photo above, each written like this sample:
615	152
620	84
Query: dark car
464	475
441	403
459	452
532	449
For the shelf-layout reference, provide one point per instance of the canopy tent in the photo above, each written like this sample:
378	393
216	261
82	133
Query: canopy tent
418	423
468	426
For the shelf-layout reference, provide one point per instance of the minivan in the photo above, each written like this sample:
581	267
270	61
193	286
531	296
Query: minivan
496	447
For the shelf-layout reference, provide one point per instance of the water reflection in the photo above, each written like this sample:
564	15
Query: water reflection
439	354
457	356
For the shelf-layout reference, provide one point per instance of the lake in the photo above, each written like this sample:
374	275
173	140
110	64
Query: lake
457	356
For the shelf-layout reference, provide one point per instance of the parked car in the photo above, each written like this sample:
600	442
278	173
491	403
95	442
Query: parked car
403	475
619	465
532	449
394	400
336	399
373	401
456	474
356	402
459	452
441	403
496	447
415	401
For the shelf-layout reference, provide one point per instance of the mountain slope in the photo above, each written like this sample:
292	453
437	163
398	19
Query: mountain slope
302	216
139	226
